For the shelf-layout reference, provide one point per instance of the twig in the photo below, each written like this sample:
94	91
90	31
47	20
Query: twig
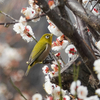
8	16
34	38
8	23
17	88
42	15
87	3
16	21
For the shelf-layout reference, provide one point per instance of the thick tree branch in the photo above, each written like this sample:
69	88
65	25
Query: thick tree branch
83	30
87	16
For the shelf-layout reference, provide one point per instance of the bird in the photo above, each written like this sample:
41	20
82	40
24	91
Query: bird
40	51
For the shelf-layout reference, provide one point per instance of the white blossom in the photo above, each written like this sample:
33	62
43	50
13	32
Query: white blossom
74	86
45	69
37	96
98	44
56	92
23	20
49	98
28	12
66	97
92	98
98	76
54	67
98	92
51	4
47	78
26	35
54	30
95	10
82	92
31	1
48	87
18	28
70	50
57	46
97	65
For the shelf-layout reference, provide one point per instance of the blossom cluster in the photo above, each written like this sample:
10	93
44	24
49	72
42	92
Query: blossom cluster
95	9
21	27
54	90
54	66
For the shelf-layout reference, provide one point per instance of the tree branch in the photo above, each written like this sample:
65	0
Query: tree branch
86	16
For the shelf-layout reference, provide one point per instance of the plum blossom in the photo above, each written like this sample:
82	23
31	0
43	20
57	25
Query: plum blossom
56	92
70	50
25	31
59	44
98	76
98	92
74	86
95	10
23	20
49	98
98	44
31	1
48	86
54	67
37	96
92	98
45	69
57	54
27	34
37	9
66	97
18	28
53	28
97	65
28	12
51	4
82	92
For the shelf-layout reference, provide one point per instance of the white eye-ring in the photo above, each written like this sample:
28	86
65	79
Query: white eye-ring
47	37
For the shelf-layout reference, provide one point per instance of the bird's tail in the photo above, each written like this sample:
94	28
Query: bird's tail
28	69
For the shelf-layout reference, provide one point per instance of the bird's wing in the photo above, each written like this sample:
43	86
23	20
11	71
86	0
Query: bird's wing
37	51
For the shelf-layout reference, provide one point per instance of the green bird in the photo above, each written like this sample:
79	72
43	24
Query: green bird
40	51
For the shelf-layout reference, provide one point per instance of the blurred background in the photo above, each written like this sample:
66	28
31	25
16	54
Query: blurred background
14	52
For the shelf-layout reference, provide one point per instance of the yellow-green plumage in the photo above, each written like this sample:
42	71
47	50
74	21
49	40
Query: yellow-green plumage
40	51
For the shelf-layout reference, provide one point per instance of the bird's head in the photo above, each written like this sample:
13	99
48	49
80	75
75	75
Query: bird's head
47	38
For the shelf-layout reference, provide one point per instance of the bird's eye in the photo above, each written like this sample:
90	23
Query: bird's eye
47	37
